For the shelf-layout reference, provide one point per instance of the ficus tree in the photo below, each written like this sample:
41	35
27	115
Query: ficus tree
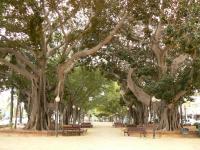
35	31
174	50
158	50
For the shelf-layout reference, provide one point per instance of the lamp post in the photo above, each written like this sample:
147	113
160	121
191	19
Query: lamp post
57	100
181	115
73	107
79	115
153	100
185	114
128	115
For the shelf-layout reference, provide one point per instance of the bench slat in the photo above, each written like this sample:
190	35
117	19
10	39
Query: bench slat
73	130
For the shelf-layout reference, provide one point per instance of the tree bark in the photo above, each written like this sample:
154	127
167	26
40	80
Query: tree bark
170	120
16	113
139	93
159	52
11	105
38	114
21	113
181	114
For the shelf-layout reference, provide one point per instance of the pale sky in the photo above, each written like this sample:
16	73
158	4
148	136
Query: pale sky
5	101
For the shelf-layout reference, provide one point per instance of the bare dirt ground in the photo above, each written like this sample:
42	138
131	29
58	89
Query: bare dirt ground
102	137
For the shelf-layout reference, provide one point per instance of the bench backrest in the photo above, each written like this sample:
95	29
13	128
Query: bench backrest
136	128
86	123
71	127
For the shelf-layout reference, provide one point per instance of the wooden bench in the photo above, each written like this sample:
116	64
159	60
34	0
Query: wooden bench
73	130
86	125
143	130
139	129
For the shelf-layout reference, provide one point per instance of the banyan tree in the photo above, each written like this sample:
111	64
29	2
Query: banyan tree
38	32
156	56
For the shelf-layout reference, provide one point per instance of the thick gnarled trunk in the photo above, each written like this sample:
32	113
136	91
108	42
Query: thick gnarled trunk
169	119
139	93
139	114
38	110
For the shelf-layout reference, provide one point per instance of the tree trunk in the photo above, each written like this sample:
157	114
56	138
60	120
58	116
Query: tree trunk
135	117
140	114
38	114
21	113
79	116
169	118
65	120
181	115
16	113
74	115
11	105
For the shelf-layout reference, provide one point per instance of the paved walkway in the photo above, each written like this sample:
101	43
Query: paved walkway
101	137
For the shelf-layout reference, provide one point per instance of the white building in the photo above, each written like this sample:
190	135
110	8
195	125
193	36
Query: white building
192	109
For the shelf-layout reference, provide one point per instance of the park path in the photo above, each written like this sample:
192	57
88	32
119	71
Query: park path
104	129
102	137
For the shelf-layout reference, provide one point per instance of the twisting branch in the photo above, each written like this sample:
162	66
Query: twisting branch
157	50
142	96
177	98
24	72
52	51
61	25
20	57
69	64
93	50
65	45
179	95
177	62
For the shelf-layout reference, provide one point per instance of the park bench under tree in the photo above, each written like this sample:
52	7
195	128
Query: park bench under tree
135	129
86	125
142	130
73	130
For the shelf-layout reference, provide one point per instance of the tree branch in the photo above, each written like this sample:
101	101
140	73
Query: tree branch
177	62
21	57
157	50
52	51
142	96
19	70
177	97
93	50
69	64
